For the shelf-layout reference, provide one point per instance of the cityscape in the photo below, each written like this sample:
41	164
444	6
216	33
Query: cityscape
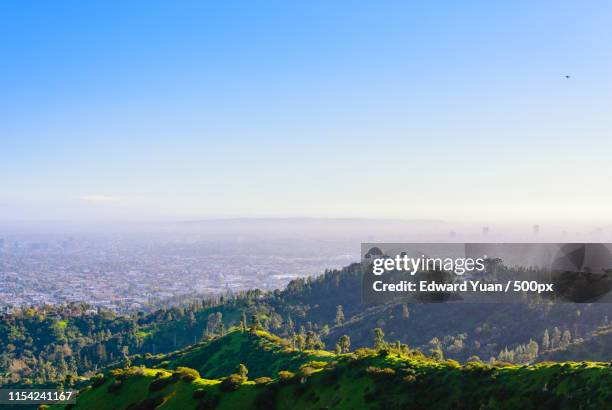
136	274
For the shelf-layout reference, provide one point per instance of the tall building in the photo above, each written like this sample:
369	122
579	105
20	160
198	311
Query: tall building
485	231
536	230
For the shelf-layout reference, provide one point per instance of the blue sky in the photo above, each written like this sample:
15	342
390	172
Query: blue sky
175	110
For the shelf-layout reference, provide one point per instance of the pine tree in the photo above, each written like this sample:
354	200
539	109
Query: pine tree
379	338
566	338
546	340
405	312
338	349
345	344
339	315
242	370
556	338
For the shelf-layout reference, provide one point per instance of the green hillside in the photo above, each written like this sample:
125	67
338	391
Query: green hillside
53	346
365	379
263	354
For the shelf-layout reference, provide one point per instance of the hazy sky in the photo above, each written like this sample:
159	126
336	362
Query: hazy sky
174	110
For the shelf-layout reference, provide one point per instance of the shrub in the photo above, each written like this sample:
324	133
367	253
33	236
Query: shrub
377	371
123	374
453	363
232	382
315	364
285	375
363	352
187	373
384	352
409	375
263	380
306	371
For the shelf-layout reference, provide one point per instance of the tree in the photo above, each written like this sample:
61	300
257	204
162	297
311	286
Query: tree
435	344
546	340
532	350
437	355
242	370
556	338
255	323
126	358
310	340
243	322
338	349
345	344
405	312
339	315
300	341
289	325
566	338
379	338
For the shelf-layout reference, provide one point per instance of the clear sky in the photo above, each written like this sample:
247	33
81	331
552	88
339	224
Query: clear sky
178	110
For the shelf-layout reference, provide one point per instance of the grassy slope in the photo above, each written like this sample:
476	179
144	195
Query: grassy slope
350	386
263	354
356	381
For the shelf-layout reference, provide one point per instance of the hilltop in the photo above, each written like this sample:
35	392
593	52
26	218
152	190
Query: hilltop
263	353
386	378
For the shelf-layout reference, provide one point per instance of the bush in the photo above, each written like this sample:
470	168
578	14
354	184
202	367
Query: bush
409	375
453	363
187	373
232	383
285	375
315	364
384	352
263	380
377	371
363	352
306	371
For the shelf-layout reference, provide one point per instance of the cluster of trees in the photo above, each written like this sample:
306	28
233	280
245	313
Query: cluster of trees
523	353
556	339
